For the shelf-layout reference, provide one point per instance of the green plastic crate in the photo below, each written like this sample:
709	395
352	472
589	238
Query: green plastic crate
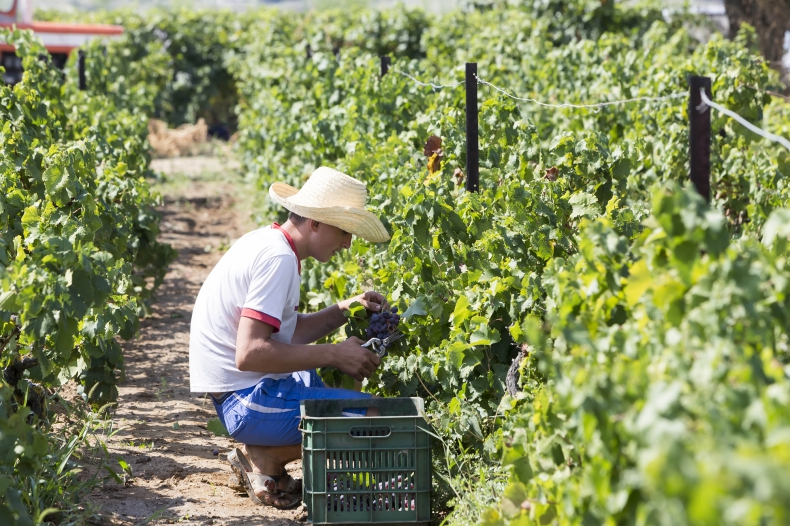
366	470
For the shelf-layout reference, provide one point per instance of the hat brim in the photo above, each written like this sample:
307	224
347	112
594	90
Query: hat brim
356	221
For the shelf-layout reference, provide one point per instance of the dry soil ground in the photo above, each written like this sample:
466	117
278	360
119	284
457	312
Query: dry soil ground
163	435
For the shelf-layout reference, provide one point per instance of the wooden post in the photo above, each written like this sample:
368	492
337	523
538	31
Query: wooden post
385	64
472	146
699	136
81	69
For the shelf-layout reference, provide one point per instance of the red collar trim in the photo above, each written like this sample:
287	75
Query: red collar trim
290	242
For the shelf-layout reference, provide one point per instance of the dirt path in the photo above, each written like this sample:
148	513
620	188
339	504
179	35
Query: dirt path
163	436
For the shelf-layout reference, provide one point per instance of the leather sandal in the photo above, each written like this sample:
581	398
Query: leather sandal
271	496
234	458
266	484
288	484
285	482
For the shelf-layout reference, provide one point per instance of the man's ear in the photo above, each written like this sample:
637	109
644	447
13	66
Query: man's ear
314	225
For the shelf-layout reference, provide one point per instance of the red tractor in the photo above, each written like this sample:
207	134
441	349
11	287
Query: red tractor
59	38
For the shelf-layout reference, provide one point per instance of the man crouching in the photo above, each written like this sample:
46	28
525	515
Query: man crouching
249	346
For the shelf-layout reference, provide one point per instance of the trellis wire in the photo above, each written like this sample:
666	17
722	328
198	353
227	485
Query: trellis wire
748	125
427	84
595	107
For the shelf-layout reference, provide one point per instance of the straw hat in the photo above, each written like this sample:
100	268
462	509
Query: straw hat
333	198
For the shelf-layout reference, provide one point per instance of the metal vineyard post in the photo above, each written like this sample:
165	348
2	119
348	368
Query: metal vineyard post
699	136
81	69
385	64
472	146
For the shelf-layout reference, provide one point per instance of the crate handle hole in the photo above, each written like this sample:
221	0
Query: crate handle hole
370	431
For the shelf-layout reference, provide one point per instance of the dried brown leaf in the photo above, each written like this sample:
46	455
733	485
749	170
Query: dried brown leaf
433	145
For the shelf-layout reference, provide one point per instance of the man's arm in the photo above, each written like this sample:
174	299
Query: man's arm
257	351
313	327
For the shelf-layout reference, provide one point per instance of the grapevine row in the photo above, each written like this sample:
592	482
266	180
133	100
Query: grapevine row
80	258
569	200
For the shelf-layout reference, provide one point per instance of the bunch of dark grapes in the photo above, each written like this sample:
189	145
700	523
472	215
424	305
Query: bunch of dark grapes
383	324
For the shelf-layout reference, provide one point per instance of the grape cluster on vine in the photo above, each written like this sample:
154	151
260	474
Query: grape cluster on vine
383	324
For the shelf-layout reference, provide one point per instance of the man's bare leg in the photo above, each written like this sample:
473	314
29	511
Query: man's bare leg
271	460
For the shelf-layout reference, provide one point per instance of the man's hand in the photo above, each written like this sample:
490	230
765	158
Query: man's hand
372	301
354	360
313	327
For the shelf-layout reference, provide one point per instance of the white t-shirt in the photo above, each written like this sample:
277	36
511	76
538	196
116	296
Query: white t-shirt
257	278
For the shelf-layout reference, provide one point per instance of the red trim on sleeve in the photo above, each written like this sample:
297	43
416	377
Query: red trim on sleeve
290	242
265	318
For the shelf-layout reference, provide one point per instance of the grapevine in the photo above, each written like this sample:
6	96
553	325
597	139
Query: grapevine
656	384
472	268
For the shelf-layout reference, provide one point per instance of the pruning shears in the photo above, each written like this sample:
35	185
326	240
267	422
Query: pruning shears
379	346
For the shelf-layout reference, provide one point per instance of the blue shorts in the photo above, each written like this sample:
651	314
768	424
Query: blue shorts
267	414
